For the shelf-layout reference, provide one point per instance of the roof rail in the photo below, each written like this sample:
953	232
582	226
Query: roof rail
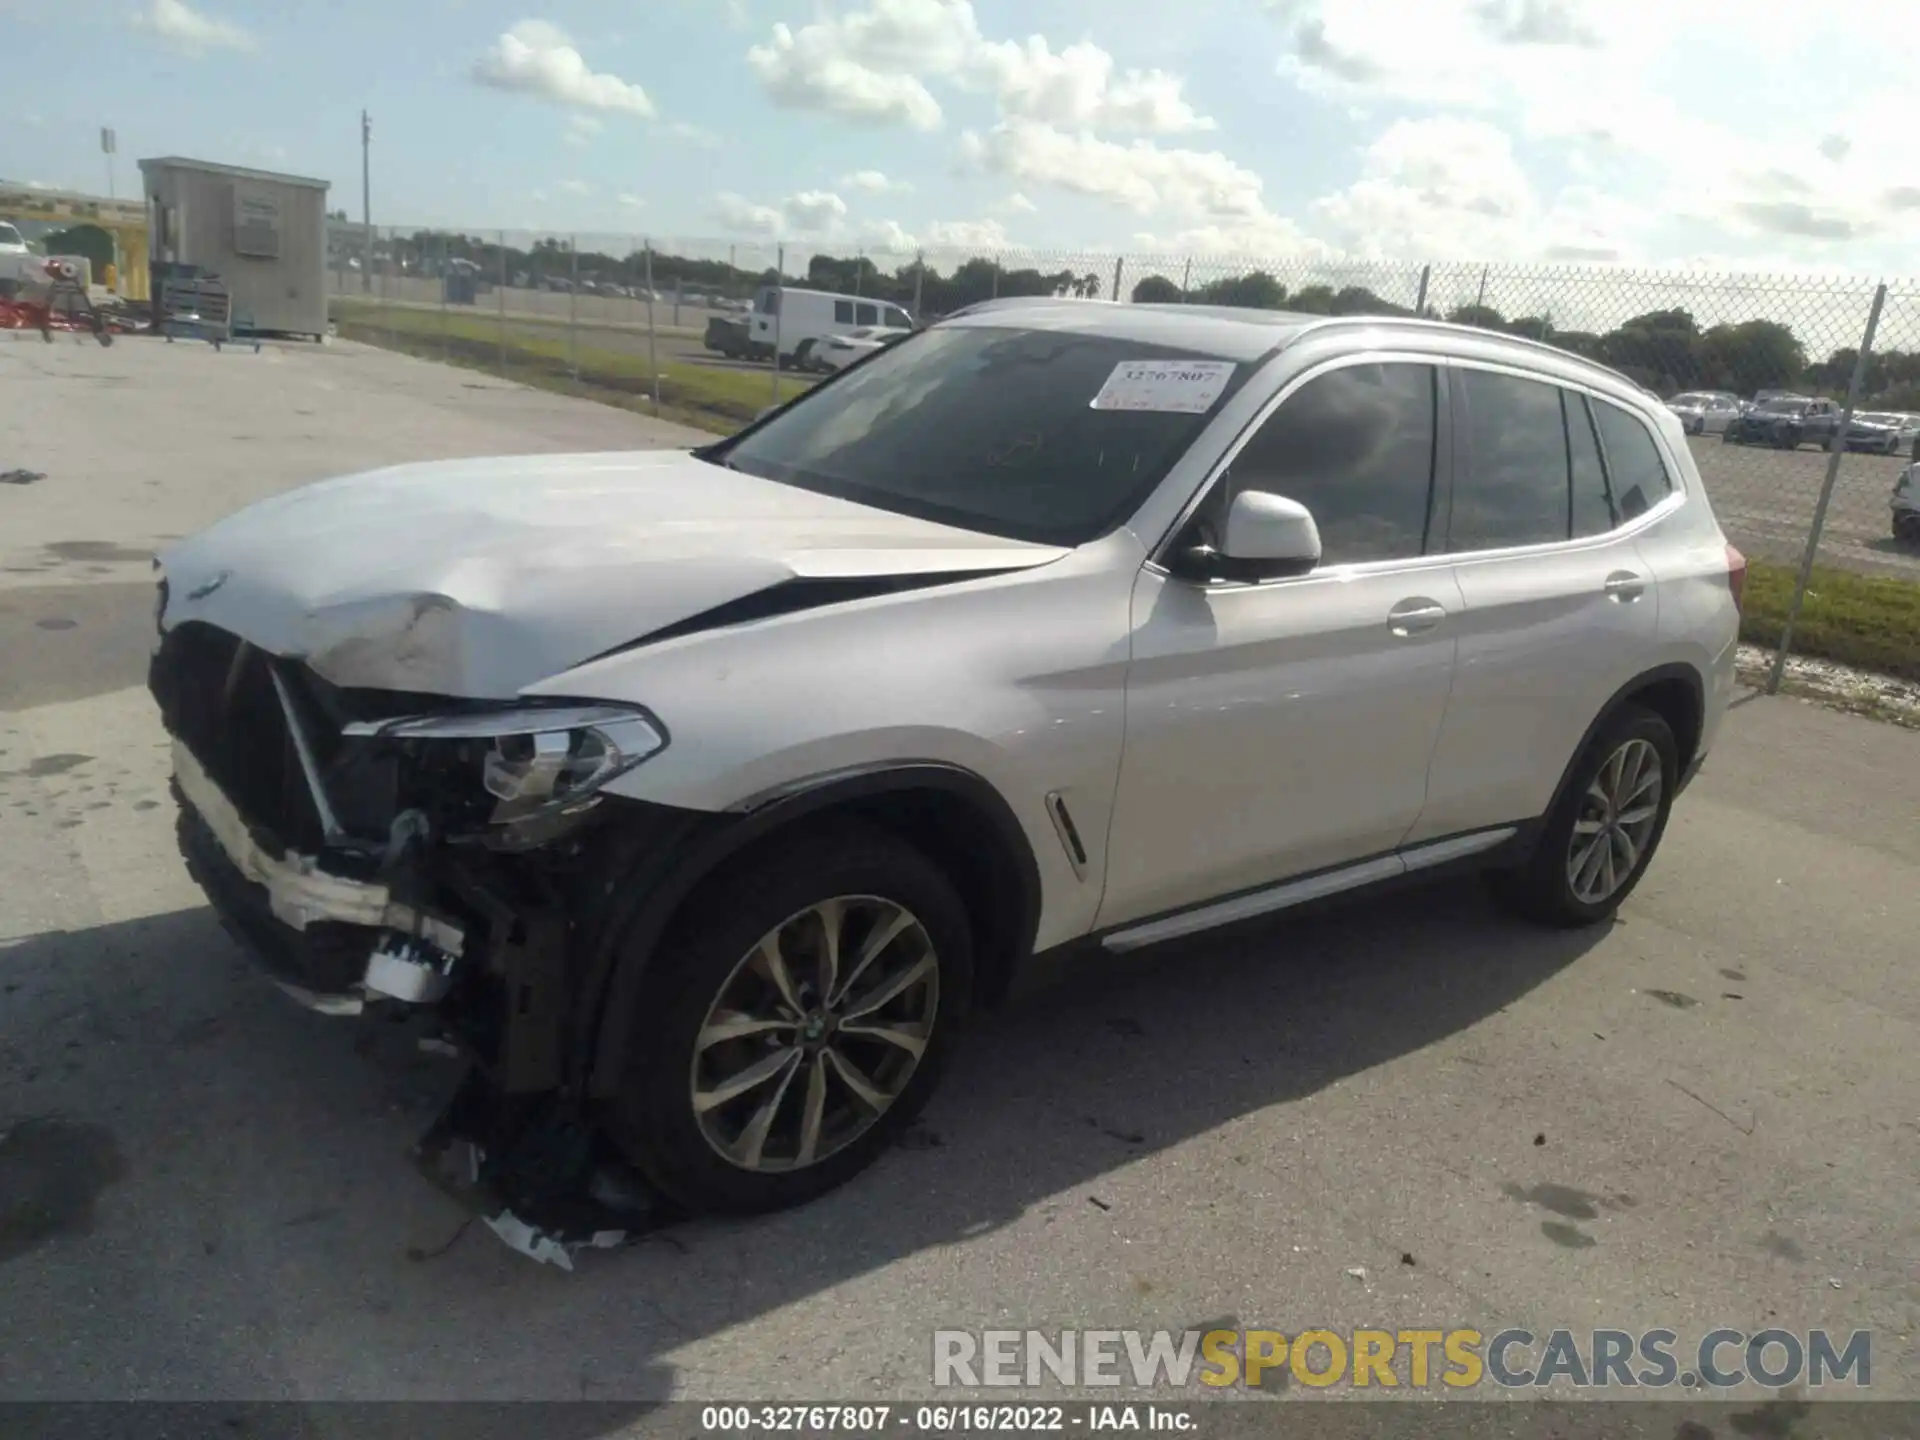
1451	328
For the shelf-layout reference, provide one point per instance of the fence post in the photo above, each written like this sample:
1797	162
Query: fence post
994	293
1420	303
653	353
446	319
1119	267
919	277
500	296
1836	448
573	308
1186	280
676	285
859	265
779	305
1480	302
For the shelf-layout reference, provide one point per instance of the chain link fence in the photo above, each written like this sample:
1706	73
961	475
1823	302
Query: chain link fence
1801	442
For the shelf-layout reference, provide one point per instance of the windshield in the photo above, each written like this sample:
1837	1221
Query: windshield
1784	407
994	429
1874	418
9	235
1695	400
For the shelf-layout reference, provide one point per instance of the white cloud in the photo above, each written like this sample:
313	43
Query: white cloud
819	68
1017	204
1140	176
1079	88
813	211
737	215
573	187
873	182
1449	187
632	202
875	64
810	212
582	128
186	28
967	235
538	59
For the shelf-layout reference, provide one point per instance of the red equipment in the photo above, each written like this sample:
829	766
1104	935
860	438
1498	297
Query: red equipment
65	305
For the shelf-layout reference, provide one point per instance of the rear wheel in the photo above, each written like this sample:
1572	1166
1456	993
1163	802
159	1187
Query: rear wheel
1600	836
800	1013
803	356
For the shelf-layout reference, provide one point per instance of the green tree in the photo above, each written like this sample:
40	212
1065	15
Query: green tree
1753	355
1481	317
1156	290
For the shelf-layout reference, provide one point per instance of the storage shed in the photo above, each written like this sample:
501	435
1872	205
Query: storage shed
263	234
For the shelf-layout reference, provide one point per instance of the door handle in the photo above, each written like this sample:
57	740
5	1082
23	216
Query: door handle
1411	617
1625	586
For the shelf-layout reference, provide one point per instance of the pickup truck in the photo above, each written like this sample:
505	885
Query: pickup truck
1786	422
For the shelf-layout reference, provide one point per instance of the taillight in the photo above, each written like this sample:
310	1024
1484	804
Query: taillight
1736	574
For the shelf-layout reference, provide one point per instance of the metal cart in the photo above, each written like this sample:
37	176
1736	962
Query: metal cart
198	307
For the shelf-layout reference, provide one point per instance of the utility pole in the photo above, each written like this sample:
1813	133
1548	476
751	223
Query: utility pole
366	200
109	144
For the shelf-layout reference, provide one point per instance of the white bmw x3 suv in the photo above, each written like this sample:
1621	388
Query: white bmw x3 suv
702	794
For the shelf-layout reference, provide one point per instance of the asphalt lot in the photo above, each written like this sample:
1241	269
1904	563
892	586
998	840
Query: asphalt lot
1409	1113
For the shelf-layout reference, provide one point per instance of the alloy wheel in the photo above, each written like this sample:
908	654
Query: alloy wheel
1615	821
815	1033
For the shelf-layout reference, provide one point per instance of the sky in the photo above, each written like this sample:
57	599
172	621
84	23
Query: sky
1742	135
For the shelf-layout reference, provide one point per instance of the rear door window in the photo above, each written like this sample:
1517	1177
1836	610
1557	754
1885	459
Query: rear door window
843	312
1593	512
1514	489
868	314
1635	471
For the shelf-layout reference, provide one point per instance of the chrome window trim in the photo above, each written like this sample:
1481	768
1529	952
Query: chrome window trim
1675	499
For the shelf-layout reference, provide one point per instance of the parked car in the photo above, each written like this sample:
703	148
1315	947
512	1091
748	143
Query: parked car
1706	412
1883	432
1906	504
807	317
727	336
702	794
837	352
1785	422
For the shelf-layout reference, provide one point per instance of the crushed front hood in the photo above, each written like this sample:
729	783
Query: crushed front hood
476	578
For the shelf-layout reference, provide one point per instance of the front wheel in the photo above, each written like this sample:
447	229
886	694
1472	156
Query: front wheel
799	1014
1597	841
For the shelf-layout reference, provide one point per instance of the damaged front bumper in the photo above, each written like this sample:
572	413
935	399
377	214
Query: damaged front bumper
327	854
410	955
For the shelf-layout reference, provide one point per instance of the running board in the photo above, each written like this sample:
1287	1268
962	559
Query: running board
1311	887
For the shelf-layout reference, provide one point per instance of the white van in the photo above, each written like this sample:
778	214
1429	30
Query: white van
806	317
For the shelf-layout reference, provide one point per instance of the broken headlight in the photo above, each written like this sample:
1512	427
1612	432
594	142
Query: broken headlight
543	765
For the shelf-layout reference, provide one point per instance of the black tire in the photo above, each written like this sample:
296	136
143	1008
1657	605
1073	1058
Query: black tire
803	355
1541	890
652	1118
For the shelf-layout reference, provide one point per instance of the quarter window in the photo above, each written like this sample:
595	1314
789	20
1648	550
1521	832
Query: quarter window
1514	490
1592	504
1639	477
1355	446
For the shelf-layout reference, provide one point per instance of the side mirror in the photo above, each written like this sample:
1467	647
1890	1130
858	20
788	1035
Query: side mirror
1268	536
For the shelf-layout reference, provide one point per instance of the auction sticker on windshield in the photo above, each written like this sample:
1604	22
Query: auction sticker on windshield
1173	387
